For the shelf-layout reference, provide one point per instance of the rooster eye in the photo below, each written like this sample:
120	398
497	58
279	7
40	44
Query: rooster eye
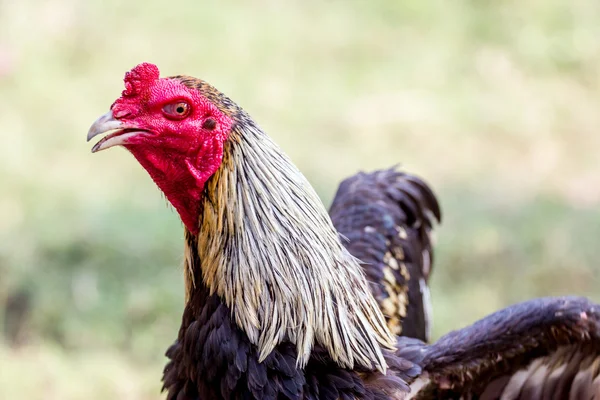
177	110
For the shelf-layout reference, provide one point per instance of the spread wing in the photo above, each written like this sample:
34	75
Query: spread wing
385	219
548	348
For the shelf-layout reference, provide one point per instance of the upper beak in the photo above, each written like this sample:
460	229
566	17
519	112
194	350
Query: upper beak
106	123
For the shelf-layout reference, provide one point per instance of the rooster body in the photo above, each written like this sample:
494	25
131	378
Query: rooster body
214	359
278	308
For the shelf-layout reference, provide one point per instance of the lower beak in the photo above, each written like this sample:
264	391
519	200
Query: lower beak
106	123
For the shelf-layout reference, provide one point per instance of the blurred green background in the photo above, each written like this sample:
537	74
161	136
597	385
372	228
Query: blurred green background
495	103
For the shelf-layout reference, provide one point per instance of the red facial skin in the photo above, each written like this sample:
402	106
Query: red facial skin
179	152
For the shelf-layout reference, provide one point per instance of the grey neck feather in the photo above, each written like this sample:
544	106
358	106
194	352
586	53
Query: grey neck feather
269	250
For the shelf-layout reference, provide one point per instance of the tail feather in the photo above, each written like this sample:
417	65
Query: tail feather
387	218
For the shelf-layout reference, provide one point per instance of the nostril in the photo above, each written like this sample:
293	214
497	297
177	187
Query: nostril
122	113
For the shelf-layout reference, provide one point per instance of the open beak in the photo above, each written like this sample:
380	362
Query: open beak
105	123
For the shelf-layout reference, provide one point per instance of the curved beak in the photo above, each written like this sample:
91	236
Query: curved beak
106	123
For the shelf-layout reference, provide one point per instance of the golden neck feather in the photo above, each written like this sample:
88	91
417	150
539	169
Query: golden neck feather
268	248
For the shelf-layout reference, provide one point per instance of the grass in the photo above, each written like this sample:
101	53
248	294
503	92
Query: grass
494	103
55	374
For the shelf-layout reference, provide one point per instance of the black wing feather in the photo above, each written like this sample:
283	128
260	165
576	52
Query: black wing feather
547	348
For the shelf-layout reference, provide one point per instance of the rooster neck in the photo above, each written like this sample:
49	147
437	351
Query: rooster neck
267	248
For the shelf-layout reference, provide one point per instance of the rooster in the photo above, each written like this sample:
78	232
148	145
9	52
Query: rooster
276	306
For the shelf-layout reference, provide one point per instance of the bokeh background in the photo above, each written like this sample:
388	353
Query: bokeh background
495	103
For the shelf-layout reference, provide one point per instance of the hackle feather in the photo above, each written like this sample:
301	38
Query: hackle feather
269	250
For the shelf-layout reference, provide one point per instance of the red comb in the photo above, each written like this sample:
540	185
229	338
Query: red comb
139	77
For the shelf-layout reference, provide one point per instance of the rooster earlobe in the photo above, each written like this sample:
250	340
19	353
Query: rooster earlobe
141	76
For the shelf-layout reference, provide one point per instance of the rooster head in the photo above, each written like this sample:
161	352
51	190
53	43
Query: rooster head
175	127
